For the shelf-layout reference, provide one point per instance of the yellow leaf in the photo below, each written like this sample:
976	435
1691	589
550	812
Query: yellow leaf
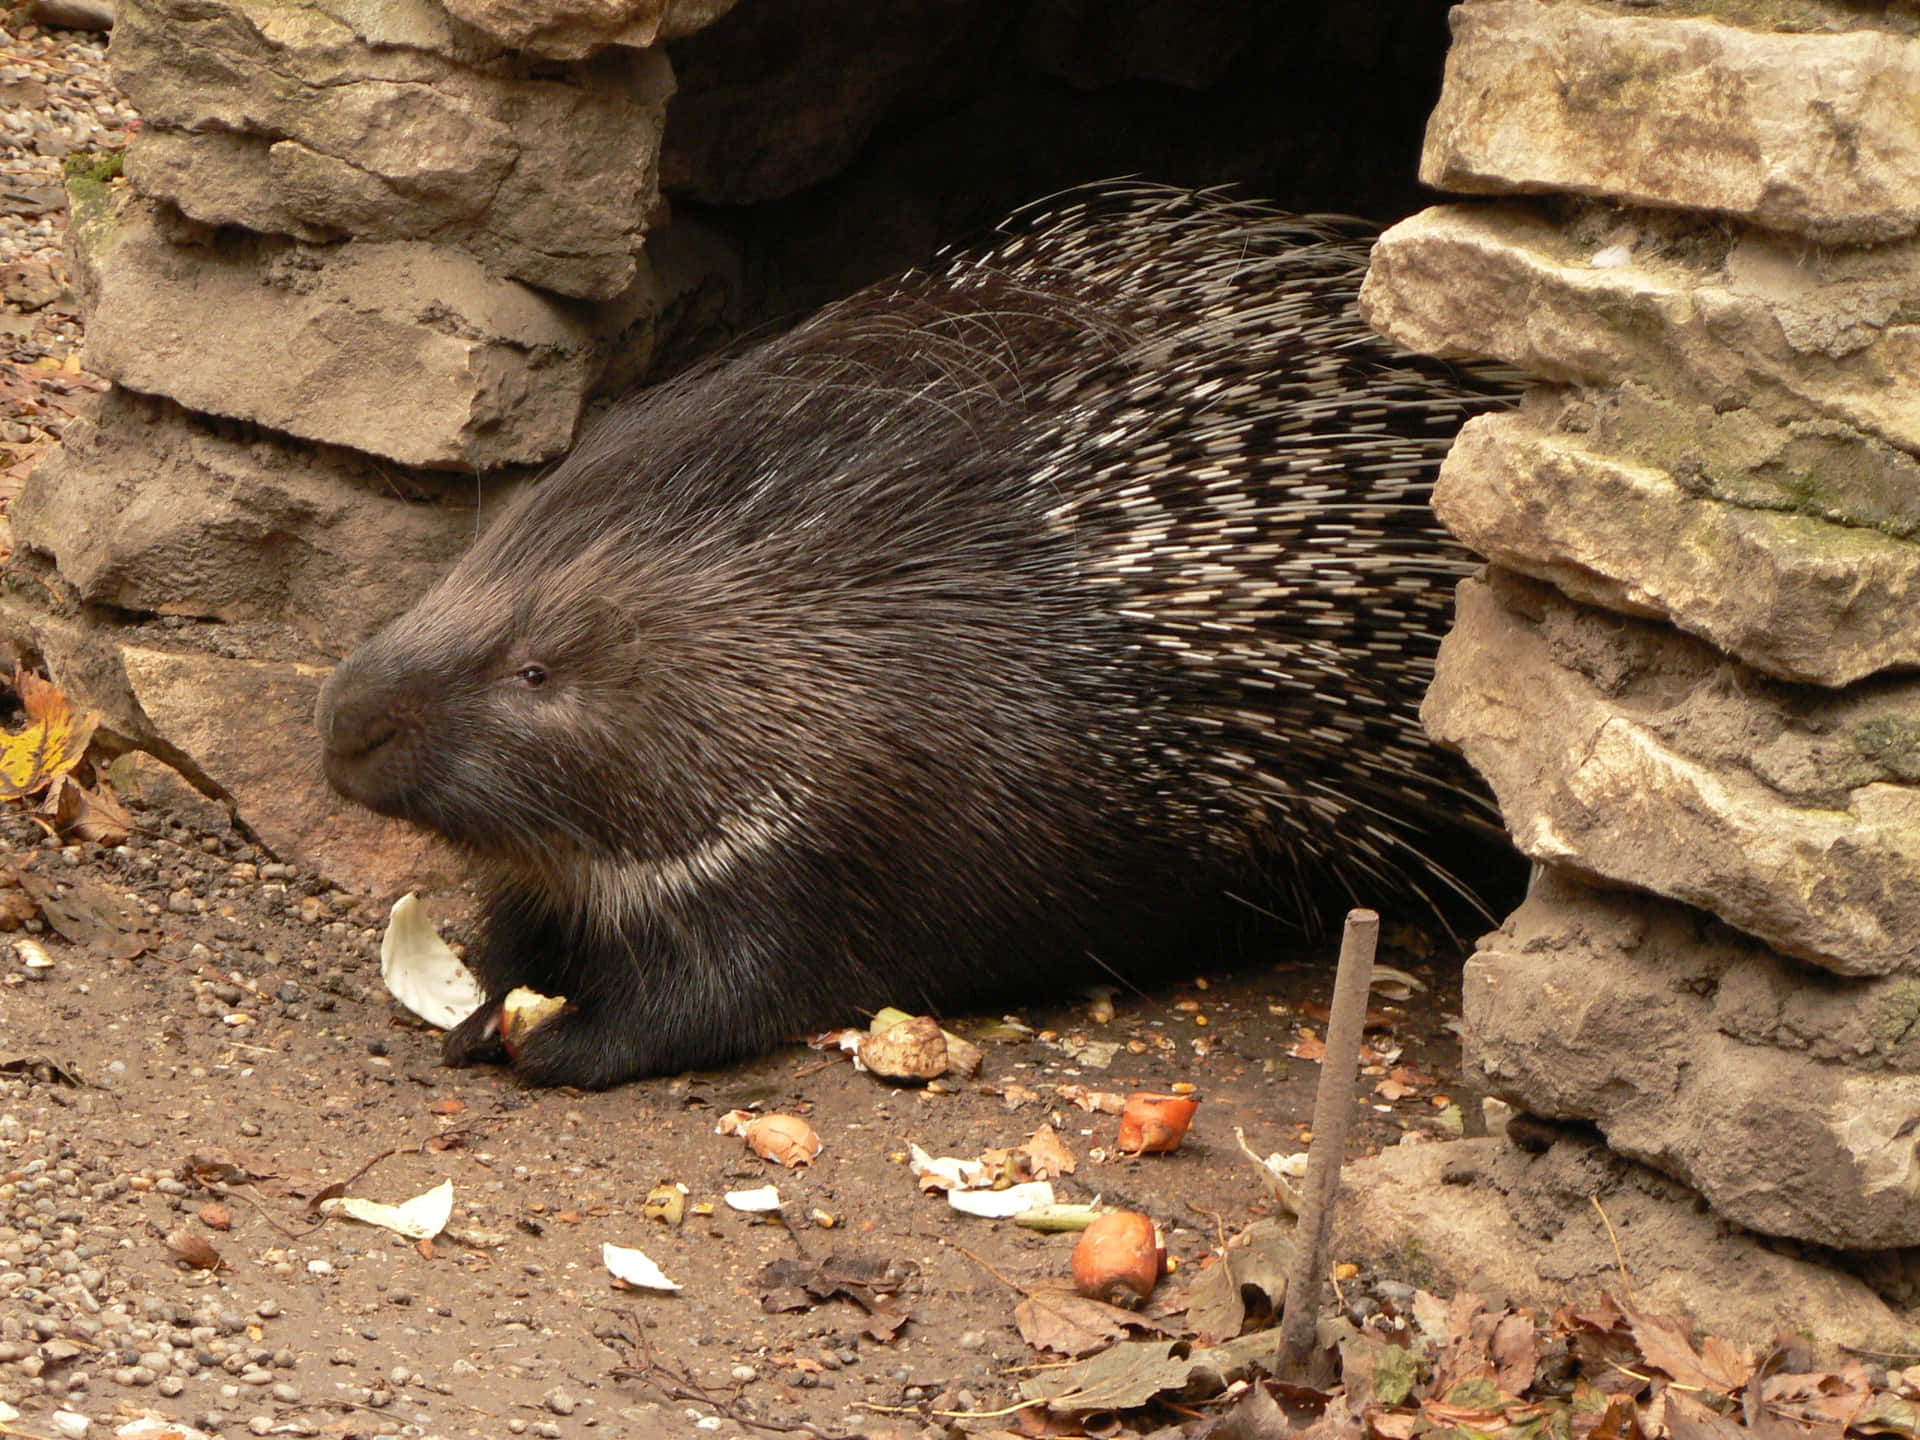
53	742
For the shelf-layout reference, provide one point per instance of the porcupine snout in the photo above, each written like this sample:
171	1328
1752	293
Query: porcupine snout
371	728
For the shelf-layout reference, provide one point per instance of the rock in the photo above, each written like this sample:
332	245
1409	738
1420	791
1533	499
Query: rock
30	286
150	509
404	350
1789	128
82	658
248	725
390	122
1541	1229
137	775
71	14
1729	322
573	29
1683	1040
774	98
1623	750
238	729
1566	490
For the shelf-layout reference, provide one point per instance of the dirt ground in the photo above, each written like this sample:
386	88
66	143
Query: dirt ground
249	1057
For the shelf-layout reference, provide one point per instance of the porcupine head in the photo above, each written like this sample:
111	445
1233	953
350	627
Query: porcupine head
774	702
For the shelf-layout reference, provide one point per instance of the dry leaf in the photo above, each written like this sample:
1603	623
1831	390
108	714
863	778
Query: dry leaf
1048	1158
1718	1366
194	1249
89	914
82	814
1070	1324
53	742
1099	1102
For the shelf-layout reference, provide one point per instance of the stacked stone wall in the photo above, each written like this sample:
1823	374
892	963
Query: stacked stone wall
364	269
1689	672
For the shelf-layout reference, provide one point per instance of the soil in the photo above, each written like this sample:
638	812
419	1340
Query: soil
250	1059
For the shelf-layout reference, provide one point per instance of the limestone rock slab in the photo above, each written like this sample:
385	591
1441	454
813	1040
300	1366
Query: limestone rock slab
399	349
151	510
390	121
1798	130
1784	1096
1731	322
572	29
1481	1215
248	727
1626	751
1564	490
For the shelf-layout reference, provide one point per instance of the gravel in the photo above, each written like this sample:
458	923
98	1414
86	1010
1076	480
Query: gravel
57	98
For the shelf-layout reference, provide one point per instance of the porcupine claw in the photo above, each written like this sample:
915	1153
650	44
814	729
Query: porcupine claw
476	1040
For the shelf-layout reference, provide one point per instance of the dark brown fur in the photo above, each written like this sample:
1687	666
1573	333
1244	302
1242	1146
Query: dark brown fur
976	626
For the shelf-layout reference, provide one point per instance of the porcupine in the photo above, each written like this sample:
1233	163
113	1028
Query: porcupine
973	632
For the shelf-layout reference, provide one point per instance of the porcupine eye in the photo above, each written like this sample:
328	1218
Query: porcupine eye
532	675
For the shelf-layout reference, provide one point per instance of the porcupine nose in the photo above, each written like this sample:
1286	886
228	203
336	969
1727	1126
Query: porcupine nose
360	725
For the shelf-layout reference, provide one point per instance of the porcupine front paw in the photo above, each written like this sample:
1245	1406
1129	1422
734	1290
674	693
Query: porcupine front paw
476	1040
589	1049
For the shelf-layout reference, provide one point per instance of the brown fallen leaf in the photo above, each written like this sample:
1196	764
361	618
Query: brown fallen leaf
1055	1318
16	907
193	1249
43	1068
1048	1157
1515	1351
1099	1102
1688	1419
789	1285
1717	1365
89	914
78	813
